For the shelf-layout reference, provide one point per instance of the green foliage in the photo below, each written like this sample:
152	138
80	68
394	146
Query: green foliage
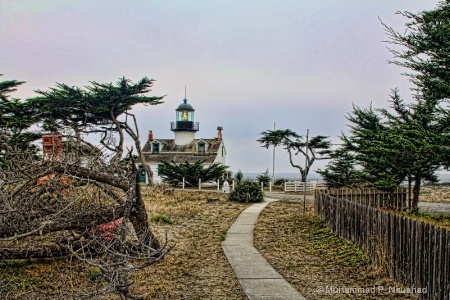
161	218
15	118
425	51
341	171
239	176
264	178
173	173
247	191
280	181
98	105
90	109
94	274
318	147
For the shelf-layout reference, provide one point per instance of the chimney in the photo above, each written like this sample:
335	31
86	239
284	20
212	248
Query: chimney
150	136
219	133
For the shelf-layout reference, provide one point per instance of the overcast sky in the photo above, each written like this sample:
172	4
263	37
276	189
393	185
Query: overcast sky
246	64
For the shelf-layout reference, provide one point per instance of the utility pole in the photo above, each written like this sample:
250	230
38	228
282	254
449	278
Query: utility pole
306	165
273	159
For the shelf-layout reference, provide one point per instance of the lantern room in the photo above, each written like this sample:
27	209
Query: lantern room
184	118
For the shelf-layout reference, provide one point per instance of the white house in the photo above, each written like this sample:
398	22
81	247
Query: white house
184	147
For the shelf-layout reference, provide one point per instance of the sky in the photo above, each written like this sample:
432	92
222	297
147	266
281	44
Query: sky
246	65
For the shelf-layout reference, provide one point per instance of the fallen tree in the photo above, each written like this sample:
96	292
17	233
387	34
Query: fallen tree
94	214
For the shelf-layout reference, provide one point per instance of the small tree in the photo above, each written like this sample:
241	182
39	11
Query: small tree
318	147
174	173
239	176
264	178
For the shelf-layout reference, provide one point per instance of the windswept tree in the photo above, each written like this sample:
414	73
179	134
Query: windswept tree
102	108
411	140
406	142
318	147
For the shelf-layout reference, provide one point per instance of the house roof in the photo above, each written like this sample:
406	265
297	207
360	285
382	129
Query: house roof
180	153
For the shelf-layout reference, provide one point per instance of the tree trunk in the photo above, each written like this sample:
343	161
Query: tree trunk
416	191
117	181
409	191
139	217
76	222
303	175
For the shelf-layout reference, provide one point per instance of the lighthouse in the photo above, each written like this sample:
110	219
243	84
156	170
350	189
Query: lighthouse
184	127
185	147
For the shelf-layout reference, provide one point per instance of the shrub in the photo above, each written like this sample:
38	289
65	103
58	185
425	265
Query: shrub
247	191
280	181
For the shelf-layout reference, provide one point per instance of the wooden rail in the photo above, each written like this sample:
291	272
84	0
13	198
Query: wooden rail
299	186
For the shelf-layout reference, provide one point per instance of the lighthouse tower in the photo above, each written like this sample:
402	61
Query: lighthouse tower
184	127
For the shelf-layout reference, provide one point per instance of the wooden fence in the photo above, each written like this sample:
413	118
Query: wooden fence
372	197
414	253
299	186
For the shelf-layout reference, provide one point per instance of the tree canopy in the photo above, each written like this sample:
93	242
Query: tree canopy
174	173
408	140
318	147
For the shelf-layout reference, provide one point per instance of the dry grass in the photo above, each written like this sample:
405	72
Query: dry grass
311	257
437	194
196	268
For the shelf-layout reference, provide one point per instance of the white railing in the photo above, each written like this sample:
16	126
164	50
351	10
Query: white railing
298	186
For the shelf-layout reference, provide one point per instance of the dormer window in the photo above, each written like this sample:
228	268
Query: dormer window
201	148
155	148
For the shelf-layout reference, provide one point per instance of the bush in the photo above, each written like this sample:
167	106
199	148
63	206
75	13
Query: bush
280	181
247	191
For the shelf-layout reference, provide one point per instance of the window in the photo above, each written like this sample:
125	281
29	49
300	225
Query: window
201	149
155	148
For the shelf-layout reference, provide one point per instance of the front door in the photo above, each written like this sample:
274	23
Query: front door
142	174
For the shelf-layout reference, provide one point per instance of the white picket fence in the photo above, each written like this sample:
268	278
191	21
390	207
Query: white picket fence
298	186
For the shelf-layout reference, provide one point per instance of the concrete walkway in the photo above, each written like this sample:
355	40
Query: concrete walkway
257	277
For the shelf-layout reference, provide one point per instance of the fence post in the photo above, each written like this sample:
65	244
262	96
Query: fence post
233	184
199	183
270	186
183	183
218	185
262	186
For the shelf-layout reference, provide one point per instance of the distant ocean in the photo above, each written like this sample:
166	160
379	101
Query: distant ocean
444	177
312	176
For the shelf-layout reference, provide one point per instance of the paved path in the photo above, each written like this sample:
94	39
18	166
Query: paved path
257	277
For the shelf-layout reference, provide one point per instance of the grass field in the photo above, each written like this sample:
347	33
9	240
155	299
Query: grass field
299	246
